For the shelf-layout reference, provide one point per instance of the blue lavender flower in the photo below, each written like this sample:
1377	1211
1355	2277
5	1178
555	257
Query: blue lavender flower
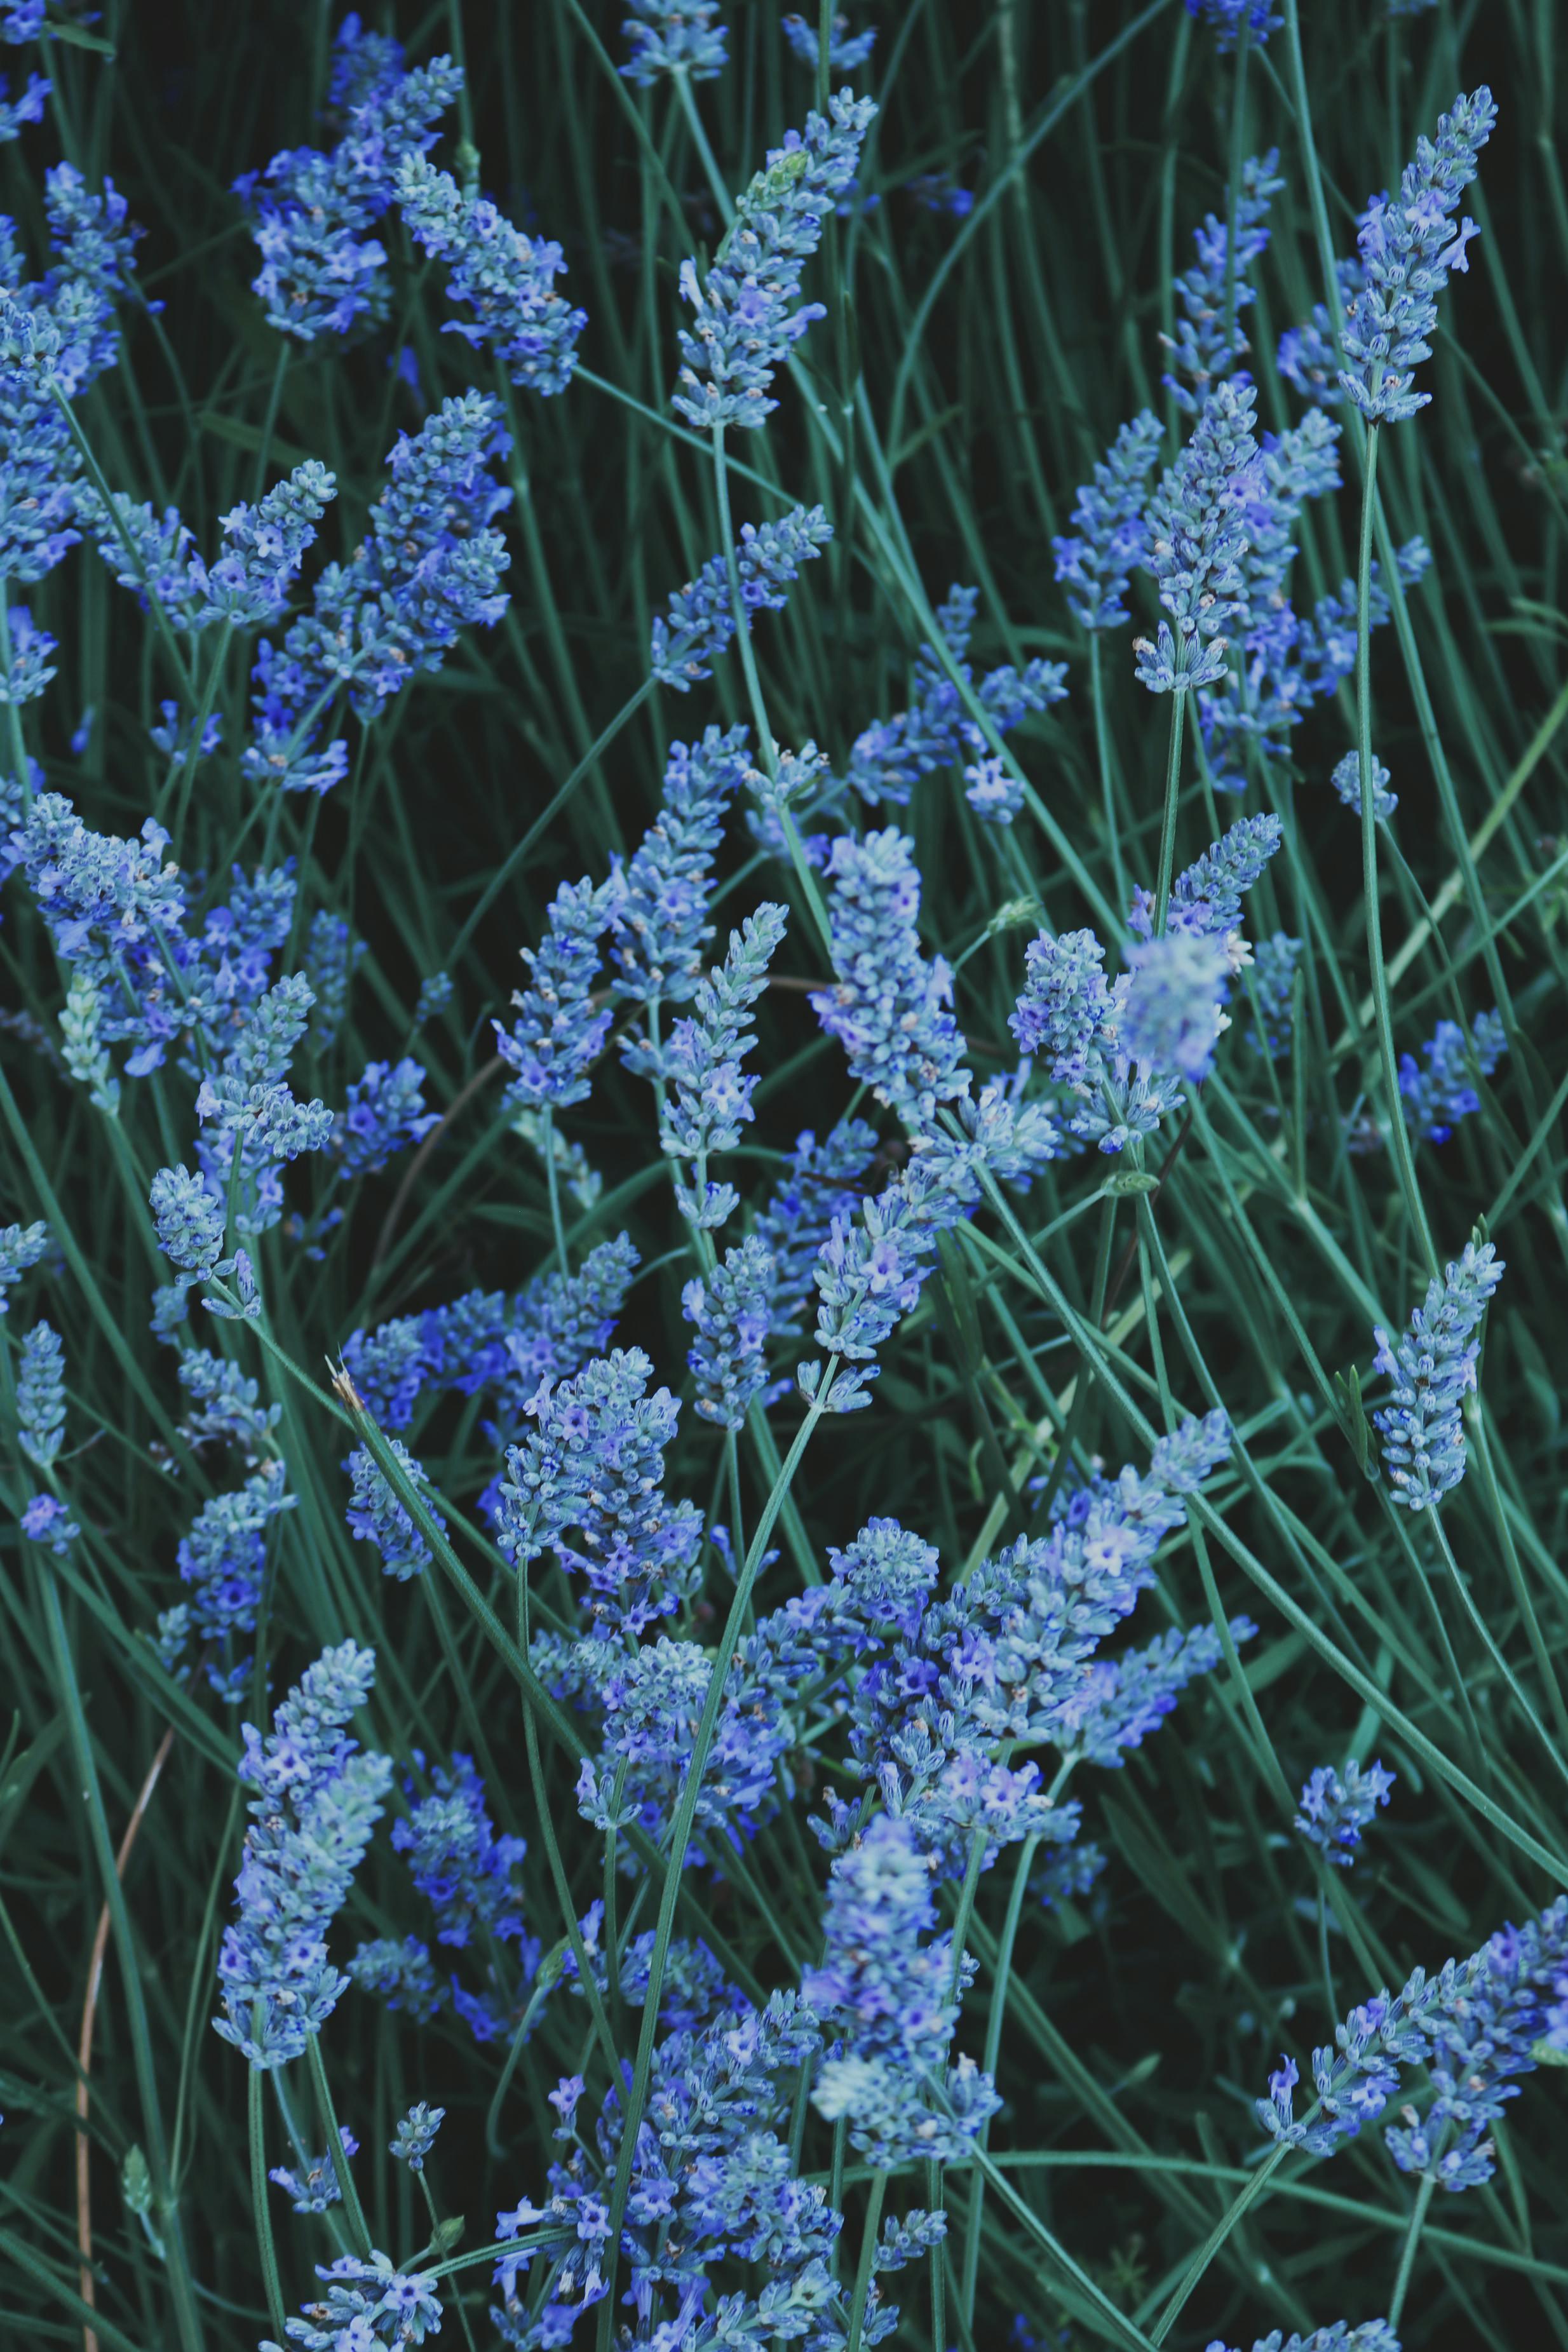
996	796
21	1246
747	313
29	108
1124	1699
316	1799
820	1181
652	1702
331	954
29	668
319	271
314	2186
1475	2025
1370	2336
711	1093
1206	896
1436	1097
1196	535
559	1035
1334	1812
1173	1013
701	622
385	1114
226	1403
890	1009
222	1563
376	1516
1347	783
251	1121
1407	249
593	1467
248	585
416	2134
190	1222
41	1395
366	66
711	2184
674	37
845	50
1432	1369
1098	564
466	1869
732	1311
506	279
428	567
402	1974
1201	350
367	2304
657	902
47	1521
487	1340
1274	990
888	758
1228	16
891	1993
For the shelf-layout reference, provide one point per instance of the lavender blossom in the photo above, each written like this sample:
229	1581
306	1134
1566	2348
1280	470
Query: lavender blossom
701	622
1432	1368
890	1009
1098	564
732	1311
1438	1092
1334	1812
506	279
674	37
1196	535
560	1036
317	1800
747	313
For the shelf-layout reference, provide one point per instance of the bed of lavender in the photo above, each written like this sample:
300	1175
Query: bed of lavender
782	1248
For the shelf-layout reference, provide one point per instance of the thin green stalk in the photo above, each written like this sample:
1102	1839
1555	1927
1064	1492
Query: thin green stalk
261	2211
877	2191
187	2319
348	2189
1168	821
1407	2251
1397	1132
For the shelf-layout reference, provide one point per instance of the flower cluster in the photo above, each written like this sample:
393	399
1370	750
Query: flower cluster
223	1566
710	1098
385	1113
1407	249
560	1033
732	1309
1334	1812
893	1993
701	620
376	1516
315	2186
1475	2025
674	37
1196	532
657	902
1432	1367
1098	564
310	212
747	312
430	565
1122	1049
1438	1092
368	2303
318	1797
1208	339
505	278
592	1468
889	1008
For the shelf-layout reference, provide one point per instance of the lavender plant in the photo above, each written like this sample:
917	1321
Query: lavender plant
769	1569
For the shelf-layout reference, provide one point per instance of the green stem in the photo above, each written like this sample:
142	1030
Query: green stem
1399	1136
1168	823
258	2136
186	2317
353	2209
1107	780
1407	2251
993	2053
877	2190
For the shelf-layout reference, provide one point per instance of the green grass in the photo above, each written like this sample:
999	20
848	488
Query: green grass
967	376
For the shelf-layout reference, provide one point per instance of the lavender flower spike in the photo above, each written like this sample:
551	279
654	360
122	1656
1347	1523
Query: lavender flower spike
1197	533
1432	1367
1407	249
317	1797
